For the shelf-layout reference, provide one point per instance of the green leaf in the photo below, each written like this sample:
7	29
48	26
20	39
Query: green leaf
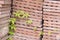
11	32
41	33
9	38
14	28
21	14
13	19
17	14
13	22
26	15
29	21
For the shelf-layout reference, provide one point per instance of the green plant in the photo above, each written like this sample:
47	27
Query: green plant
41	33
21	14
29	21
9	39
12	27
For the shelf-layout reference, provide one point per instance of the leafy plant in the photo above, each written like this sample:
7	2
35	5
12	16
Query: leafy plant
12	26
19	14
